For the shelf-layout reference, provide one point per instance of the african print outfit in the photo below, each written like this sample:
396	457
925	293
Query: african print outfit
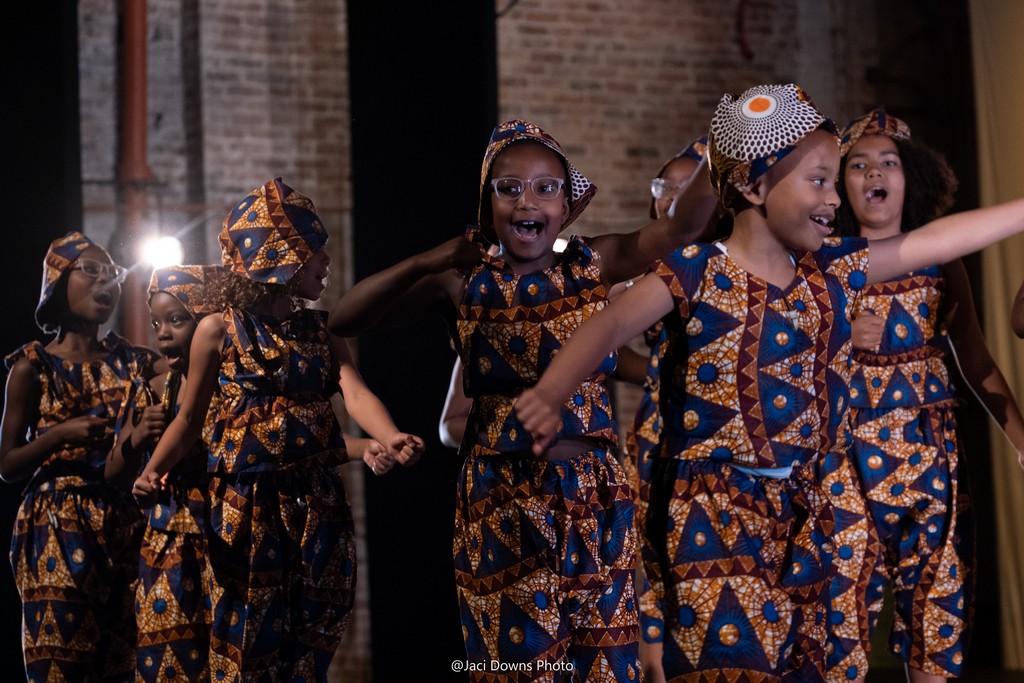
753	394
641	441
280	535
172	603
906	453
544	550
74	548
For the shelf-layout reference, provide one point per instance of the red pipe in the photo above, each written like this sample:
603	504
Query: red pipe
133	170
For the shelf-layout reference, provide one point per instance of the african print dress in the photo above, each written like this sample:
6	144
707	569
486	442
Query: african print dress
544	550
75	544
280	544
172	604
753	395
641	443
907	457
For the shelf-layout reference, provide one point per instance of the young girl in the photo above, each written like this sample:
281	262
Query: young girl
754	391
544	547
280	542
172	603
75	542
905	444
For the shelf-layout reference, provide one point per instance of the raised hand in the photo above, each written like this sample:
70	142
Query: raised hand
457	253
150	426
867	331
376	457
406	449
146	489
540	416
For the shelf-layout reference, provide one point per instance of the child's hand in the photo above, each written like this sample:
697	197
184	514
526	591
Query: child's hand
83	430
405	448
540	416
867	331
150	426
1020	459
376	457
146	489
457	253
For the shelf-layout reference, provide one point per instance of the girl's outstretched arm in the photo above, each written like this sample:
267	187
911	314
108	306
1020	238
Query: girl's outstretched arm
540	408
367	410
19	456
405	291
187	425
976	363
627	255
1018	312
944	240
457	408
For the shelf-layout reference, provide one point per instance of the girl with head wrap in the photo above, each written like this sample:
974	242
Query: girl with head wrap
75	542
172	595
754	391
544	546
279	530
905	446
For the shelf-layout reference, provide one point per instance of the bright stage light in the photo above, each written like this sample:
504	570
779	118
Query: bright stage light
161	252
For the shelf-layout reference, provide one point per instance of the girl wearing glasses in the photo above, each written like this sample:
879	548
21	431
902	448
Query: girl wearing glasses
544	546
75	543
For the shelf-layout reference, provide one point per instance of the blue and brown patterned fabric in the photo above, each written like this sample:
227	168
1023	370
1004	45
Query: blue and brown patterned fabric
280	533
182	282
907	457
875	122
753	384
61	255
509	328
544	551
74	548
271	234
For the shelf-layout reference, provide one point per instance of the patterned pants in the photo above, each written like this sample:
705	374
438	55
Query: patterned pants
75	555
907	460
282	554
172	608
741	566
545	555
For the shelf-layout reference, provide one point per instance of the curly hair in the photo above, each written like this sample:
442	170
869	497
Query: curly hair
234	290
930	189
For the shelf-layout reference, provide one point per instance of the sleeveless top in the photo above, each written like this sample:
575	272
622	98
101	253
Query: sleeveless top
509	327
99	388
276	382
758	376
908	370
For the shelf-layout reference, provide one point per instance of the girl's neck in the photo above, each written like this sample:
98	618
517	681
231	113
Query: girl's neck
878	232
279	306
75	341
760	254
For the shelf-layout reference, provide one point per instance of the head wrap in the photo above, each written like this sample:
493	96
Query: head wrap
513	131
696	150
271	233
755	131
61	255
182	282
875	122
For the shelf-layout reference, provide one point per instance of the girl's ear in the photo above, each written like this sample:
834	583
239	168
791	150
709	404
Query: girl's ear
756	192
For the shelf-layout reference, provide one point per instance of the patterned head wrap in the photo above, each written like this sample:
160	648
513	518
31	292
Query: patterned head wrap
696	150
182	283
875	122
61	255
513	131
755	131
271	233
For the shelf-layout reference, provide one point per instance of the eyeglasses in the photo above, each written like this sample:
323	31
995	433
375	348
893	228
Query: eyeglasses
661	188
93	269
543	188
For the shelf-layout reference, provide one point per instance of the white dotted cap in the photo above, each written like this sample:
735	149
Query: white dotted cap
763	120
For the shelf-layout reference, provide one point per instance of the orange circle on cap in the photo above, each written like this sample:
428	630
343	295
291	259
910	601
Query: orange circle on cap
760	104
